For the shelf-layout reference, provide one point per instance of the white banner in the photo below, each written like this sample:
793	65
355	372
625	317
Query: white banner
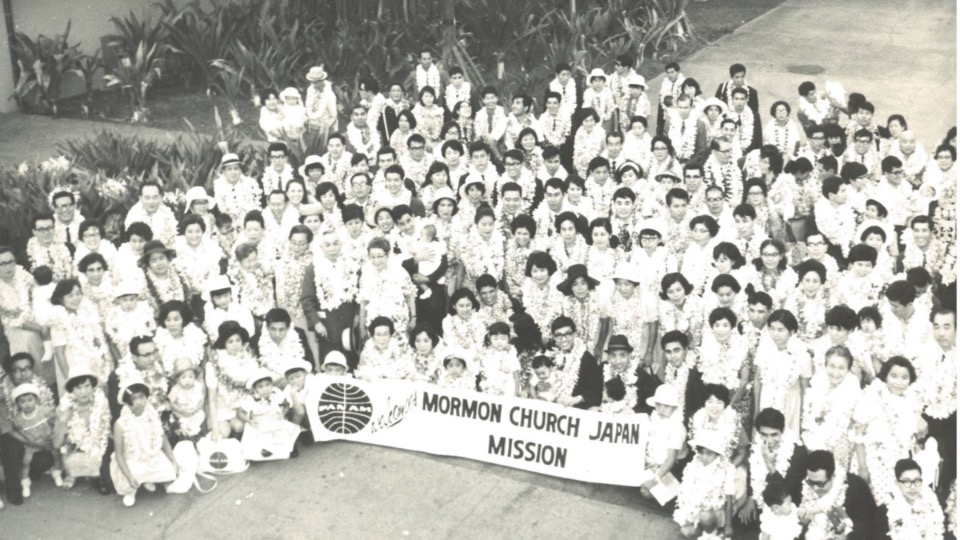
525	434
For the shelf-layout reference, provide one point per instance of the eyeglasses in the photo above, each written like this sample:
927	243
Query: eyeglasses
566	334
754	193
416	148
11	262
659	147
912	482
64	206
148	354
714	199
770	254
44	229
818	137
511	163
816	244
817	483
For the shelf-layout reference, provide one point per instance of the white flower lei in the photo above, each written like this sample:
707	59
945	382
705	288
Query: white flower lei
393	363
940	396
335	282
629	377
720	363
702	489
810	312
88	434
429	77
85	332
951	509
153	377
142	435
569	371
500	311
197	264
427	365
586	315
189	345
57	257
587	145
254	288
788	132
758	467
496	368
677	376
817	507
898	416
932	259
922	520
237	199
541	303
277	180
483	256
233	372
15	305
515	265
273	356
686	135
385	293
779	370
601	263
465	333
744	122
565	259
820	407
173	286
288	282
727	427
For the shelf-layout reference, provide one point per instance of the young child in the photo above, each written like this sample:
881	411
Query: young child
499	365
187	399
335	365
429	244
455	374
707	487
299	382
614	397
130	317
35	424
667	438
779	521
548	380
294	113
265	403
222	308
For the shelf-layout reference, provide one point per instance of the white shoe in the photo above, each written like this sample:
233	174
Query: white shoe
68	482
426	294
25	487
129	500
149	487
57	476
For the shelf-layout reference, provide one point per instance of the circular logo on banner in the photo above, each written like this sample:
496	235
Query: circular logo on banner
344	408
218	460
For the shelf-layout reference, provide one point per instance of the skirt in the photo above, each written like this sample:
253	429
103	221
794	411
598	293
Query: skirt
156	469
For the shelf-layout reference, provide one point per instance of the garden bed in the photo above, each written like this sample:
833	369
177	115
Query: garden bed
173	103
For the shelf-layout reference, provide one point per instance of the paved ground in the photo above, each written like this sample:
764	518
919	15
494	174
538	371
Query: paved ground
900	53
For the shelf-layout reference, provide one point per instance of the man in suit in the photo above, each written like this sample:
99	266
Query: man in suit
738	79
824	483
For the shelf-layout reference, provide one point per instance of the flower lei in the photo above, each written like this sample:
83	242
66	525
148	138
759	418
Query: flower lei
15	305
951	510
289	281
677	376
587	145
629	377
500	311
86	334
567	257
601	263
163	222
254	288
189	345
496	368
465	333
758	476
162	289
860	292
153	377
45	398
894	434
818	508
57	257
586	315
197	264
483	256
429	121
335	282
810	312
236	199
940	395
787	131
540	303
385	293
428	77
702	489
684	131
87	433
392	363
277	180
274	356
569	370
142	435
233	372
932	258
922	520
514	266
720	363
779	369
824	419
427	365
556	129
727	427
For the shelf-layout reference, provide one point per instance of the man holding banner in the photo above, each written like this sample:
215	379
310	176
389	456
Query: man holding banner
580	372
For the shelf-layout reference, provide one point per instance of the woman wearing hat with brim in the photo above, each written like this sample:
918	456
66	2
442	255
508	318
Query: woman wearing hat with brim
630	313
233	364
201	204
582	304
143	455
82	430
164	280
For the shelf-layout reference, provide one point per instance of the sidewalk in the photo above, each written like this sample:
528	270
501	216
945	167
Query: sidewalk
900	54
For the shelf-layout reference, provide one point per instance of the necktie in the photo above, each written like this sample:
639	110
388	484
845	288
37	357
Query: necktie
69	236
554	124
489	121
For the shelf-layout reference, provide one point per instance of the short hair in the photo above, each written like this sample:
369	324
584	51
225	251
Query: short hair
829	163
671	65
590	112
301	229
541	360
759	297
831	186
171	306
718	391
871	313
904	465
562	322
482	212
411	119
721	314
550	152
244	250
919	277
786	318
706	221
394	169
615	388
150	183
624	193
137	341
253	216
555	183
842	316
946	148
14	358
379	242
524	221
41	216
841	351
675	336
897	361
889	163
552	95
725	280
597	163
740	91
488	90
278	146
416	137
278	315
381	321
806	87
399	211
862	252
460	294
130	391
730	251
773	108
754	182
692	83
478	146
808	266
191	219
567	216
91	258
675	194
540	259
775	493
484	281
745	210
88	224
821	460
670	279
866	106
901	292
770	418
921	220
267	92
943	310
62	289
424	327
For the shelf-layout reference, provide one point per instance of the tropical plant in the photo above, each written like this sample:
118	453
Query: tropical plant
135	75
43	65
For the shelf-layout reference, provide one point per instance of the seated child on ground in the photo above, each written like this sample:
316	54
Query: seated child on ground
34	423
187	399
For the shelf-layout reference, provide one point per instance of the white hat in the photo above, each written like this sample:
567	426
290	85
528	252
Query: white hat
666	394
597	72
127	383
295	364
316	73
335	358
229	159
457	352
290	92
259	375
218	282
637	80
23	389
80	370
196	193
444	193
312	159
627	272
653	225
714	102
711	441
126	288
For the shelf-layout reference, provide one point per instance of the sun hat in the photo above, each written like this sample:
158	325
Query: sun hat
624	271
335	358
637	80
126	288
714	102
317	73
259	375
183	364
296	364
290	92
665	395
229	159
155	246
619	343
595	73
309	161
78	371
24	389
197	193
218	282
574	272
227	330
711	441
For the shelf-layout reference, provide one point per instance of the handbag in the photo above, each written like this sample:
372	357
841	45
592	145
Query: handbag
188	460
220	457
268	442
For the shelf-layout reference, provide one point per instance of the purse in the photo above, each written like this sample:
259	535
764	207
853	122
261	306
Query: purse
220	457
269	442
189	462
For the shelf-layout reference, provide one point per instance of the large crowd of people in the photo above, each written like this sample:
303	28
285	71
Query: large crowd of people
773	287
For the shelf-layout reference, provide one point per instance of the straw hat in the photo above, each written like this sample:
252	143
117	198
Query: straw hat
155	246
259	375
317	73
637	80
197	193
595	73
665	395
